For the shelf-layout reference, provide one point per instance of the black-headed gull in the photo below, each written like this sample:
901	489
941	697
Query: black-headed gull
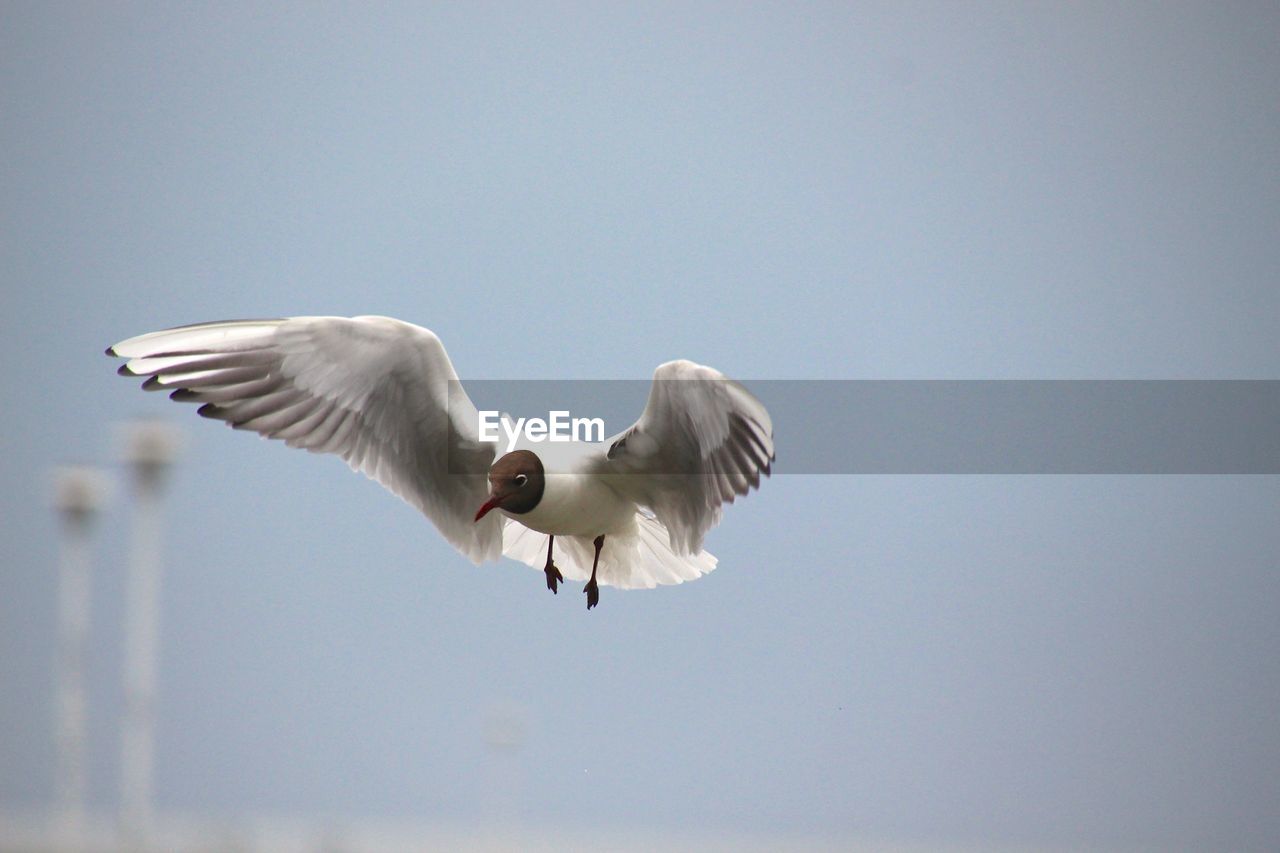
383	395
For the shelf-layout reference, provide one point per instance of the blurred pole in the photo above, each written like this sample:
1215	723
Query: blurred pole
150	447
505	733
78	493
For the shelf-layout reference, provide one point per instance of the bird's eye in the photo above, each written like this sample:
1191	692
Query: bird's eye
521	479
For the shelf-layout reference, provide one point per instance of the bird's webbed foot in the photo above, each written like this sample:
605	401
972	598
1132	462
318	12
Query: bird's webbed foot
553	576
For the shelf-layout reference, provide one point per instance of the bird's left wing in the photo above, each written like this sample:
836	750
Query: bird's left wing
701	441
378	392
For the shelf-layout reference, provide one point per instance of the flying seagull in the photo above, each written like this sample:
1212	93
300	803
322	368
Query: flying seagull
383	395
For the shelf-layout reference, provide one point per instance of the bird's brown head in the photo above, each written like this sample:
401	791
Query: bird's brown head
516	482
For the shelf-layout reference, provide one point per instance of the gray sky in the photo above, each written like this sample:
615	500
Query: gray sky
1082	190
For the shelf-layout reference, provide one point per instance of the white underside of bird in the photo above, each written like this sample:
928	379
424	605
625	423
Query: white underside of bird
383	395
578	506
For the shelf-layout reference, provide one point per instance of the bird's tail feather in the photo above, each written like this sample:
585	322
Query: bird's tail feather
640	561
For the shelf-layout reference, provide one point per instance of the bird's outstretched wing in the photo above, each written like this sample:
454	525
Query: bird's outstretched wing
376	391
702	440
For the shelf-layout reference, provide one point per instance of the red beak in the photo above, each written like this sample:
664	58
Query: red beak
488	505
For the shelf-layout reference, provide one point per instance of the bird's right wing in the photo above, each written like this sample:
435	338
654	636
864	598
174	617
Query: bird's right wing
701	441
378	392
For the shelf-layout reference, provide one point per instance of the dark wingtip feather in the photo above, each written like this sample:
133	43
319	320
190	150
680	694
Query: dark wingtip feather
111	351
152	384
184	395
208	410
123	370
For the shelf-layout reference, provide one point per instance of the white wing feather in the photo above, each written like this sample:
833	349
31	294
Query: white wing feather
702	441
379	392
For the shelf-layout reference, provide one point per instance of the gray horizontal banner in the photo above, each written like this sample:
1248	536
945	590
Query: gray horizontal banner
967	426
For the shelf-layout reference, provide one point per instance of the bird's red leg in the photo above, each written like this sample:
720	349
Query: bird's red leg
553	574
593	591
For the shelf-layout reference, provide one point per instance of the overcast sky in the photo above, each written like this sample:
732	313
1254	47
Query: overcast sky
851	190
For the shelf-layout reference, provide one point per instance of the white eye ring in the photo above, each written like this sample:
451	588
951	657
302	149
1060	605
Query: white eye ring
521	479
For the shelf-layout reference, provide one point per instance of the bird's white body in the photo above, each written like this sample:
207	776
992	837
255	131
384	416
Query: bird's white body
383	395
578	505
575	503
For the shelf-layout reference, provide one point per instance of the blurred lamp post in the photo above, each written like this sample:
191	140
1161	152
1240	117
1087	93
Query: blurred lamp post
505	733
78	493
149	447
